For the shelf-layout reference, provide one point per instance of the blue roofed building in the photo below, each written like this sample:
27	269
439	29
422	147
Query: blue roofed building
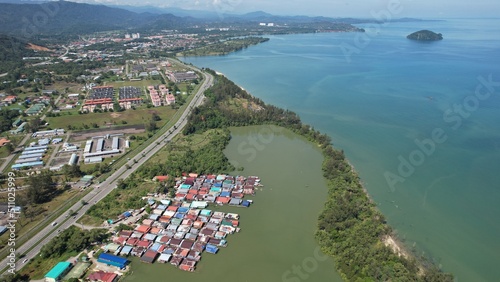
112	260
211	249
126	250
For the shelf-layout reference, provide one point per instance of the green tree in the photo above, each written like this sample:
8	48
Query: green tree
122	226
151	126
9	147
41	188
155	117
71	171
117	107
34	125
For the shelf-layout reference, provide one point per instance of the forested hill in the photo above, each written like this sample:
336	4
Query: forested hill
61	17
12	51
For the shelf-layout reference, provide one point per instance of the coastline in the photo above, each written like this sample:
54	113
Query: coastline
350	219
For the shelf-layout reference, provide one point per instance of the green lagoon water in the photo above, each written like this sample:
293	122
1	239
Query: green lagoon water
277	231
382	100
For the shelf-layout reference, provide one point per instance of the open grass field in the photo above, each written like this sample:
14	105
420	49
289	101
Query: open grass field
180	143
141	115
4	152
140	83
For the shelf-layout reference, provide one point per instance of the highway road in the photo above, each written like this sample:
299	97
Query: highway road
49	232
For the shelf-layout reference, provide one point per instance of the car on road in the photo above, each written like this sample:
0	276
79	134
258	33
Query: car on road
25	260
54	223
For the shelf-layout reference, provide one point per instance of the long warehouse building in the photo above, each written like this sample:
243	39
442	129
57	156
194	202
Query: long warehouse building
100	145
33	152
116	143
88	146
35	148
102	153
23	165
30	160
37	155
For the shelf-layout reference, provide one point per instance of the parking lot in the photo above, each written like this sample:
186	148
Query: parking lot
129	92
102	92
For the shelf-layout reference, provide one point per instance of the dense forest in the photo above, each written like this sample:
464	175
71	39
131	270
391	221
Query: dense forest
72	239
63	18
350	228
7	117
12	51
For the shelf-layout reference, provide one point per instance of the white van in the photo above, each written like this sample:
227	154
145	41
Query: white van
54	223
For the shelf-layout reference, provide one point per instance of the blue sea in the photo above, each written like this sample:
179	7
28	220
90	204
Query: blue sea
418	120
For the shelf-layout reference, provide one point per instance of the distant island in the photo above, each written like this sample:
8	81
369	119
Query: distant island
425	35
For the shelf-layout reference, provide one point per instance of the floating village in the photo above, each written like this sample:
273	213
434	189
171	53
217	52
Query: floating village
179	230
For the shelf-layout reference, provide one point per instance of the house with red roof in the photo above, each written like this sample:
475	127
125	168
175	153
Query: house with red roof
143	243
120	240
132	242
181	252
172	208
160	178
10	99
188	265
143	228
222	200
4	141
103	276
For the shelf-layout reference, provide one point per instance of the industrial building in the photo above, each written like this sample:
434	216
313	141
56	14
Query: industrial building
46	133
35	148
33	152
29	156
88	146
73	160
101	153
23	165
93	160
29	160
116	143
100	145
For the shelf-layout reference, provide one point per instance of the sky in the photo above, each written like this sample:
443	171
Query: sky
331	8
